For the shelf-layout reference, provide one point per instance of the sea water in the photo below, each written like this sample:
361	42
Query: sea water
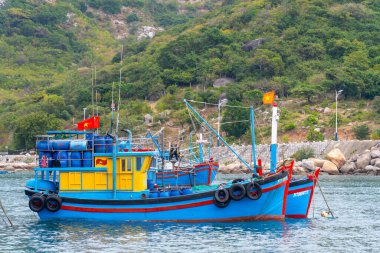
354	200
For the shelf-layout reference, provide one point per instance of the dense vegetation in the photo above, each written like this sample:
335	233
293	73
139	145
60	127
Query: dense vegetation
308	49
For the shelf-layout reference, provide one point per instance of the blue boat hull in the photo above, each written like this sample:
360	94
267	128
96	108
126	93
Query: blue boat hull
197	207
201	174
300	195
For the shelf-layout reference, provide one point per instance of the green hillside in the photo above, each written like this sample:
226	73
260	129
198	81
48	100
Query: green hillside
305	50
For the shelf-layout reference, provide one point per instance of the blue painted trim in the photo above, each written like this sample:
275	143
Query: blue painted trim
273	157
66	132
73	169
114	154
125	154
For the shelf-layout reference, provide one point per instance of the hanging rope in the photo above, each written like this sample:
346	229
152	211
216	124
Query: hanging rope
5	213
328	207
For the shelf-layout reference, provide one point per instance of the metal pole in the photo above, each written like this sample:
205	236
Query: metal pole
191	148
336	115
251	112
114	167
273	145
84	113
216	133
218	122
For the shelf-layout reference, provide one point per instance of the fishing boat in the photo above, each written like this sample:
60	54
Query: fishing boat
92	177
300	195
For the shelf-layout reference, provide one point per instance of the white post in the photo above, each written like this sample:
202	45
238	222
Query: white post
84	113
273	145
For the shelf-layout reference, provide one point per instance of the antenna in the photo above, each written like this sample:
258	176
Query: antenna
112	108
92	91
118	102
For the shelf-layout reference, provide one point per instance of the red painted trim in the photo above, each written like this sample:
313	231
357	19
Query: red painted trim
135	210
209	174
274	187
287	188
296	216
300	190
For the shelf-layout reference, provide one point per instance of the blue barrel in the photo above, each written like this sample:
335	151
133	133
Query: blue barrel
78	145
87	159
45	158
153	194
108	142
44	145
164	194
89	138
100	144
76	159
174	192
186	191
61	144
62	157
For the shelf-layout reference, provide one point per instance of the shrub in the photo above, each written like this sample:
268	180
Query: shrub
361	132
132	18
313	135
311	120
376	135
289	127
303	153
376	104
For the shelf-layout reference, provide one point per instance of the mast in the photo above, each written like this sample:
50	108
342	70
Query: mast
252	116
273	145
118	103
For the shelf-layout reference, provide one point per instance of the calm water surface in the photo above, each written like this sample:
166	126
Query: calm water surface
354	200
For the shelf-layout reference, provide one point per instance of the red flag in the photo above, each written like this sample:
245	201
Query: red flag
90	123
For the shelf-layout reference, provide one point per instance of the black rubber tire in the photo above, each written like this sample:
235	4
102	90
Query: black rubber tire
237	188
237	180
258	191
37	202
53	203
221	198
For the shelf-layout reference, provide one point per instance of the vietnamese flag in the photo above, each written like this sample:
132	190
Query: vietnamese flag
90	123
268	98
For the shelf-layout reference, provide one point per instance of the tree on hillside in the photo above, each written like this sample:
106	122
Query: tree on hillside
28	126
305	90
231	120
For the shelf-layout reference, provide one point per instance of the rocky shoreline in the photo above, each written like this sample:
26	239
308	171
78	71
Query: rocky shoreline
334	163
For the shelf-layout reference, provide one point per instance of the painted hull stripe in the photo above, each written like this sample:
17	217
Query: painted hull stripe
236	219
300	190
135	210
296	216
274	187
152	209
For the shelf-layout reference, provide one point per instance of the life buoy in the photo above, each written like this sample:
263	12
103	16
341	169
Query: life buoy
53	203
37	202
221	198
253	191
237	180
237	191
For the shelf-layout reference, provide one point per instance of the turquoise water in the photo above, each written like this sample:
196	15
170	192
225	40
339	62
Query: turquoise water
354	200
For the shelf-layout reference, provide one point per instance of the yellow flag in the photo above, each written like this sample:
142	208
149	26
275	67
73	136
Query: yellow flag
268	98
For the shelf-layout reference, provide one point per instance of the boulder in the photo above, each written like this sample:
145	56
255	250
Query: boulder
354	158
326	110
308	164
299	171
363	161
337	157
348	168
318	162
375	153
221	82
252	44
330	168
148	119
377	163
371	168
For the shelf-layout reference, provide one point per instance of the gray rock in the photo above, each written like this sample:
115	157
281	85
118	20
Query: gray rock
253	44
354	158
372	162
330	168
307	164
363	161
375	153
348	168
299	171
326	110
371	168
377	163
221	82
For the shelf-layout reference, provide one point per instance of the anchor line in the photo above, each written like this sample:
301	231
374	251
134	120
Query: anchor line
319	186
5	213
